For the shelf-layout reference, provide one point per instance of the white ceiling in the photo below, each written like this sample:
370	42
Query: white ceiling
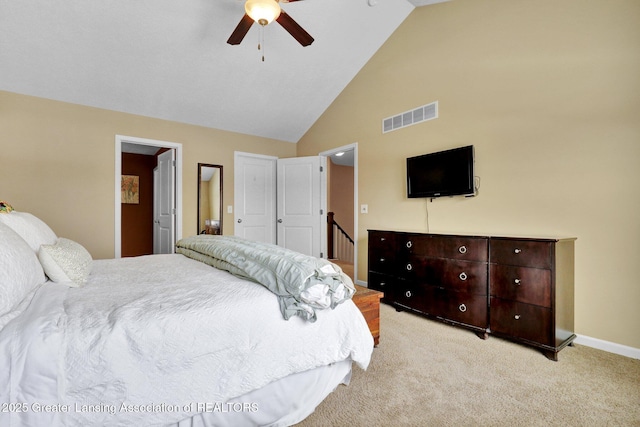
169	59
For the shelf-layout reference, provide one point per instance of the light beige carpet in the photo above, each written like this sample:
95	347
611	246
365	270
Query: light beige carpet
425	373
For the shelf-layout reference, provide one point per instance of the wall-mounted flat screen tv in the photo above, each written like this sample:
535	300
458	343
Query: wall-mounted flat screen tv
445	173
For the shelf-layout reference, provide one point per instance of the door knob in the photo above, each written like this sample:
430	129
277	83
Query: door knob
280	221
239	220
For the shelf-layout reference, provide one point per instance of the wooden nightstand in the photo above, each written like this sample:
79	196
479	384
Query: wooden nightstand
368	301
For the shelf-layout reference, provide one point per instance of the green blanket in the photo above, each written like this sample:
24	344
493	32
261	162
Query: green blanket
302	283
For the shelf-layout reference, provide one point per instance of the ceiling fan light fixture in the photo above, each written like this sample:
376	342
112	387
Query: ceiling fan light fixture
262	11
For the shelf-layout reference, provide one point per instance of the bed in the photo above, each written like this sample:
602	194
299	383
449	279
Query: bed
167	340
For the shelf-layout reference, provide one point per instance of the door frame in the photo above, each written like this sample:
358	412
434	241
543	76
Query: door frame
119	140
328	153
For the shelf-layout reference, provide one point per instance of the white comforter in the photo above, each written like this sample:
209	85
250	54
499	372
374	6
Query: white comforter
148	339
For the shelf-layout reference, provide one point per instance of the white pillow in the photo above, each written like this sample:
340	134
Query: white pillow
33	230
20	271
66	261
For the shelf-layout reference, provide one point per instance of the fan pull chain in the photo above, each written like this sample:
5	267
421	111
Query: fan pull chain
261	41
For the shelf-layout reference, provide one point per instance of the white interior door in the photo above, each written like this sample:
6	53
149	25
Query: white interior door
166	210
291	190
300	209
156	209
255	197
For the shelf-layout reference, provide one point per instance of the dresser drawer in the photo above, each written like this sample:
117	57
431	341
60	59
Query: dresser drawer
461	276
382	262
382	240
382	252
526	253
523	284
457	306
453	247
380	282
526	321
409	295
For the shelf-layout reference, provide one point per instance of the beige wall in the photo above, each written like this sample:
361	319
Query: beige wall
57	161
548	91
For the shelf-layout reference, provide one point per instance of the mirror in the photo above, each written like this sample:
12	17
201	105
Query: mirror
209	199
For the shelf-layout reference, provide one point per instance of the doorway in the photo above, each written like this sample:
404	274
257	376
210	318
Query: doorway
347	155
143	144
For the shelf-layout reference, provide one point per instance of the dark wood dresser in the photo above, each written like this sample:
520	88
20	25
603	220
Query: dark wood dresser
517	288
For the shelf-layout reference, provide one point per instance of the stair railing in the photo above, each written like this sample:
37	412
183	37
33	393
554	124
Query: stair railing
340	245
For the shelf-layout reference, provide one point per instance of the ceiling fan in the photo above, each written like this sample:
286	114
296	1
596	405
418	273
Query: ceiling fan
264	12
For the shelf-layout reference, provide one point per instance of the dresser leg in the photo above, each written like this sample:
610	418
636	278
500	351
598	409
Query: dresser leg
551	355
483	335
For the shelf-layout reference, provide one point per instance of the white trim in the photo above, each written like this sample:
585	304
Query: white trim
324	251
259	156
354	147
119	139
611	347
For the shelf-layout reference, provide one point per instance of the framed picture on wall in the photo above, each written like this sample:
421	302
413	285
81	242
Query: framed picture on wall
130	189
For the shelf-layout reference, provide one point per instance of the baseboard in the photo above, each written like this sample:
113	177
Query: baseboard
611	347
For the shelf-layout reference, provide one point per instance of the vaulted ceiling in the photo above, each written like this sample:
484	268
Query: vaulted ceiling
169	59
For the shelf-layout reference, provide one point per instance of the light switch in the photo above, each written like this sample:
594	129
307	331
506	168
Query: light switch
364	209
229	209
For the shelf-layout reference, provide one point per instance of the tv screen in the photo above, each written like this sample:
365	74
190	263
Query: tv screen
445	173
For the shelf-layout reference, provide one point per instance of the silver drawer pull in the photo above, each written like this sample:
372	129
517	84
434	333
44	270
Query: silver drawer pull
382	239
463	276
462	308
517	317
408	294
517	282
409	267
382	283
517	251
382	260
409	244
462	249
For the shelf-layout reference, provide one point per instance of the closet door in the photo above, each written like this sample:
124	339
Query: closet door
281	201
255	197
299	205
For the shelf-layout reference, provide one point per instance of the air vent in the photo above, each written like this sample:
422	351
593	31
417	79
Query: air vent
412	117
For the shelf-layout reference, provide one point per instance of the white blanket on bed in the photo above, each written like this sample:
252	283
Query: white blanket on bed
150	338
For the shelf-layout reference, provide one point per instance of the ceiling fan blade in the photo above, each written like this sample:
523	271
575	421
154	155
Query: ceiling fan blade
241	30
294	29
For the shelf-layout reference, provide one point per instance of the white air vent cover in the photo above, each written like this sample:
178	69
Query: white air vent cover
412	117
